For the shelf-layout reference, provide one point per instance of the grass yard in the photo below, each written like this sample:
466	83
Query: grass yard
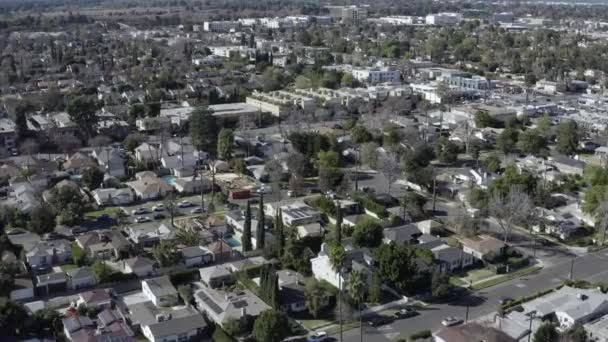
506	277
68	267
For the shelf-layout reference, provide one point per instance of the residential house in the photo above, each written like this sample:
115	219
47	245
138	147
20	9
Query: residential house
236	220
150	234
224	306
196	256
98	298
406	234
217	276
104	245
471	332
149	188
47	253
192	185
77	163
355	260
292	290
180	165
140	266
81	277
163	324
160	291
481	245
447	259
51	283
113	197
73	324
568	165
221	251
110	327
299	213
310	230
111	161
146	153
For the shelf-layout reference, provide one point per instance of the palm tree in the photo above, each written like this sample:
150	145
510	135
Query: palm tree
356	288
336	259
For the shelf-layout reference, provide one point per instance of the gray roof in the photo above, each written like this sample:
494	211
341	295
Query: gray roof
193	252
402	233
80	273
175	322
72	324
137	262
161	286
176	326
52	278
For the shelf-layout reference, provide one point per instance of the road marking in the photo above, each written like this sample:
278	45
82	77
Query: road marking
520	285
556	280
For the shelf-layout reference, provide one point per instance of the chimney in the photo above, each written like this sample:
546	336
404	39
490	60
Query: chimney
243	312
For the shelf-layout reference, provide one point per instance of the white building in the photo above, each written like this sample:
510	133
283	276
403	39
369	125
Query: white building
349	14
377	75
444	19
221	26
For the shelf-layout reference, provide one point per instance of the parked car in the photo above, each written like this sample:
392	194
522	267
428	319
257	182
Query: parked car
139	211
103	217
158	207
184	204
197	210
142	219
291	193
159	216
317	336
451	321
406	313
380	320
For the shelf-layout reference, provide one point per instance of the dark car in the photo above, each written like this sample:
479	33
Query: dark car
380	321
159	216
103	217
406	313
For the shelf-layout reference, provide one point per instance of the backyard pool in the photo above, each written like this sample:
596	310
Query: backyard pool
169	179
232	242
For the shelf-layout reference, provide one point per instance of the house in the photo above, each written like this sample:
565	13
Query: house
77	163
481	245
406	234
196	256
146	153
447	259
104	246
163	324
221	251
139	266
151	234
236	219
47	253
310	230
160	291
217	276
471	332
73	324
355	260
113	197
428	226
292	291
224	306
51	283
149	188
568	165
81	277
192	185
180	165
95	299
111	161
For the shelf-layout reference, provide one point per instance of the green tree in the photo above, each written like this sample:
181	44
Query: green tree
42	220
397	266
239	166
271	326
367	233
546	333
492	163
531	141
225	144
360	134
578	333
185	292
165	254
79	256
69	205
446	151
261	229
347	80
152	109
336	254
338	227
280	230
316	297
92	177
507	140
356	288
369	154
544	125
375	291
101	271
203	130
246	237
82	110
136	111
13	318
327	159
568	136
440	285
483	119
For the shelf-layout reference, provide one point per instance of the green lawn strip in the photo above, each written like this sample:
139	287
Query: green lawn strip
314	324
506	277
335	328
97	213
457	281
68	267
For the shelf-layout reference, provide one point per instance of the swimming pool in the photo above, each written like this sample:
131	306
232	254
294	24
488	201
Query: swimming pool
232	242
169	179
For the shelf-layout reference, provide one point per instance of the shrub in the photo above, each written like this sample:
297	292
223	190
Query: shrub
421	335
183	277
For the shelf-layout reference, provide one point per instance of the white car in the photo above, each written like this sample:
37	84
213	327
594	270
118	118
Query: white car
317	336
451	321
184	204
139	211
158	207
198	210
142	219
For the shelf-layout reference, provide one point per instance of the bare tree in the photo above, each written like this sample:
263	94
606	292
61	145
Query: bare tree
100	141
67	143
274	168
391	169
601	214
369	154
296	163
514	208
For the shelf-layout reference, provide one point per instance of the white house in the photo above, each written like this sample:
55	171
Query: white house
161	324
138	265
81	277
111	196
160	291
111	161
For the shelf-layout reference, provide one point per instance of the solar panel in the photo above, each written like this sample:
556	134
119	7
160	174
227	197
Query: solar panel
210	303
240	304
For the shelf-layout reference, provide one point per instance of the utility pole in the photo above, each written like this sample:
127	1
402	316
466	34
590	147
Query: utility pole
532	316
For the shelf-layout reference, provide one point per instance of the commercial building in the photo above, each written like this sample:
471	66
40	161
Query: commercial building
444	19
377	75
350	14
221	26
504	17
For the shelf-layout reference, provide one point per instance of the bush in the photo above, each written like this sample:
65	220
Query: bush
373	206
421	335
326	205
183	277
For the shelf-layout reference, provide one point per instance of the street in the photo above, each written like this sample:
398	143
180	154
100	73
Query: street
590	267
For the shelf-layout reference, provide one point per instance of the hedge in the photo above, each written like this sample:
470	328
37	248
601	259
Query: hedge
183	277
421	335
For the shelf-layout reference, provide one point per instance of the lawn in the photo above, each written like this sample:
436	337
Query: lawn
68	267
95	214
506	277
473	276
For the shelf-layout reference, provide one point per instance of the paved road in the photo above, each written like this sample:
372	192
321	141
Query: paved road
591	267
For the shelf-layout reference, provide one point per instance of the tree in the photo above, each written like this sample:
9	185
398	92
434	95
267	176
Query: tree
338	227
187	237
203	130
532	142
337	255
513	208
152	109
271	326
327	159
483	119
246	237
397	266
440	285
42	220
356	288
492	163
133	140
280	230
375	291
13	318
578	333
185	292
368	234
225	144
446	151
369	154
274	169
360	134
239	166
165	254
347	80
92	177
546	333
507	140
79	256
82	110
69	205
391	170
261	229
543	126
136	111
315	297
101	271
568	136
269	287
